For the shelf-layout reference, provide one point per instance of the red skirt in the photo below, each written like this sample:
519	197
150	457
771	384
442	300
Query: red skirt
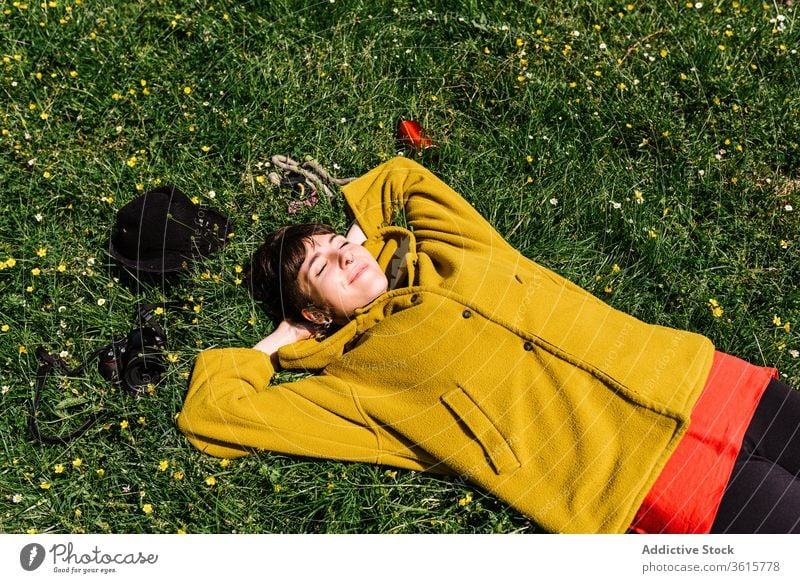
687	493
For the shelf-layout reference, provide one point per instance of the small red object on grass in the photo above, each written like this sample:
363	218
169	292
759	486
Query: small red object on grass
411	134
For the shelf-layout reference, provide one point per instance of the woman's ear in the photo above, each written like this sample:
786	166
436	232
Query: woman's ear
316	316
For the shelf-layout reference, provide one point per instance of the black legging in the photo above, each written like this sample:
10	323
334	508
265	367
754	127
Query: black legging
763	494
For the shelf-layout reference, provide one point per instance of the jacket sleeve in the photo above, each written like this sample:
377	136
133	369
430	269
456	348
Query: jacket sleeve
402	188
230	409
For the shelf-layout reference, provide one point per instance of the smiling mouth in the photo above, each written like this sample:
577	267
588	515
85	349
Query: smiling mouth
357	273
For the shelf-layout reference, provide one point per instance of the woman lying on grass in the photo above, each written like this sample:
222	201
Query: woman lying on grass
442	348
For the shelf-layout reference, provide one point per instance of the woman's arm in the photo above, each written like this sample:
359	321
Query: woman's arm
355	234
286	333
231	408
430	208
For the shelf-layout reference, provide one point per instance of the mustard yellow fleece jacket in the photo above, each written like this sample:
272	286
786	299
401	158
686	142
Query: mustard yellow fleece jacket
483	364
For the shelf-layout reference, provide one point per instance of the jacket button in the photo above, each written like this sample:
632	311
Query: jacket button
528	346
466	314
414	299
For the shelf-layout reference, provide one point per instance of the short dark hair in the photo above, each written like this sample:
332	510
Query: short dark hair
274	268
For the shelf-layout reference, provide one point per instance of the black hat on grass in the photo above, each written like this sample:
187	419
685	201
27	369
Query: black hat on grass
162	231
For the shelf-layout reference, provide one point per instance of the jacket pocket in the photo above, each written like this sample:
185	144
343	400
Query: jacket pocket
493	443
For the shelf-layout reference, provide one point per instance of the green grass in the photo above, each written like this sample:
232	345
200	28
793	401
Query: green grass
550	117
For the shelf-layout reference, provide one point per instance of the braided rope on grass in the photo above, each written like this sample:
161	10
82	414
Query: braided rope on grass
312	171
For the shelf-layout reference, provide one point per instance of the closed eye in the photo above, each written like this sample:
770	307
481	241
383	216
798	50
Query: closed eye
344	244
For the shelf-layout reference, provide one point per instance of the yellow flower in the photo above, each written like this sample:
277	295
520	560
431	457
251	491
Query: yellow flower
465	500
224	463
716	309
181	531
59	468
158	311
776	320
147	508
205	148
100	472
210	481
5	328
36	271
78	513
163	465
615	268
178	475
123	424
45	485
77	462
41	251
61	268
187	90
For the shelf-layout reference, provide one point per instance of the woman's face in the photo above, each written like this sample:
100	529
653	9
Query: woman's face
340	275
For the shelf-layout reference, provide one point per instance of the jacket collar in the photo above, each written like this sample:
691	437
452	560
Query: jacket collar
395	250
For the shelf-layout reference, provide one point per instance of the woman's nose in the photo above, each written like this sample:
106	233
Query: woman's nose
345	258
